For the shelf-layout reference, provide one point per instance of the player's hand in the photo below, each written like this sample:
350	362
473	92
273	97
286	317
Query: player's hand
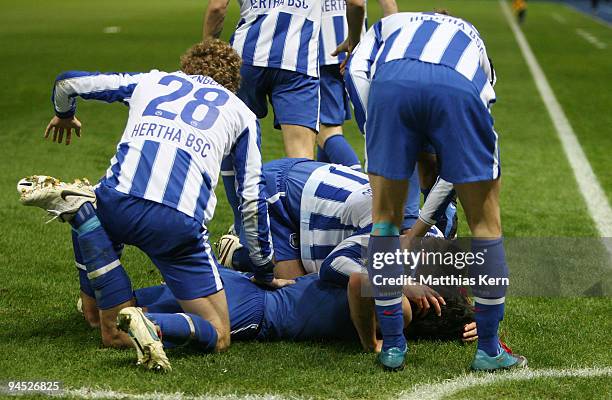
425	298
61	125
274	283
469	333
344	47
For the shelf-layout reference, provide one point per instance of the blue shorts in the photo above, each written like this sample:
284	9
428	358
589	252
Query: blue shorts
288	177
176	243
335	107
294	96
411	102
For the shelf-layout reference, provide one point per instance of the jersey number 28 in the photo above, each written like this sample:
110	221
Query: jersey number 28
198	100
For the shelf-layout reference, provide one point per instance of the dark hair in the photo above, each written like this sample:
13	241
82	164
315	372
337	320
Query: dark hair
458	310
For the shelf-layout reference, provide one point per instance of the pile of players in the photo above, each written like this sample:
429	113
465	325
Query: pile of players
421	86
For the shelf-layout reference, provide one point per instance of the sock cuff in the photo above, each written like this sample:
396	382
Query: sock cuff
385	229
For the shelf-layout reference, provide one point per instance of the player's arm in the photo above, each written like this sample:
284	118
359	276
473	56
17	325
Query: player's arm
108	87
363	314
214	18
438	194
357	75
388	7
355	13
345	260
253	203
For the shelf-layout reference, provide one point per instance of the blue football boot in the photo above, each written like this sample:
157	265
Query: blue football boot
504	360
393	359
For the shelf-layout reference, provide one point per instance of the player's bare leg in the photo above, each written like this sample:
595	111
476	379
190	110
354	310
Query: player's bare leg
111	336
213	309
480	201
387	215
299	141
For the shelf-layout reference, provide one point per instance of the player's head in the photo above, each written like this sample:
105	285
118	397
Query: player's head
216	59
458	310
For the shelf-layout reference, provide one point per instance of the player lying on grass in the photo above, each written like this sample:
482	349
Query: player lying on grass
420	78
313	207
162	180
308	310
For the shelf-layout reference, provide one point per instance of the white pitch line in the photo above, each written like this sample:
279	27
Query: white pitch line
440	390
594	196
90	393
591	39
557	17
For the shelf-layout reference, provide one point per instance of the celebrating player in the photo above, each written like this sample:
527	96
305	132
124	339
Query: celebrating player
426	76
278	43
158	194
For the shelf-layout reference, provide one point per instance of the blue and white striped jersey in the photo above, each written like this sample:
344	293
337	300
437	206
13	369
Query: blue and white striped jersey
279	34
334	30
336	203
428	37
179	129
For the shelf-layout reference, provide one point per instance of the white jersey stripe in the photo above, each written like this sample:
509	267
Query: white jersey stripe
128	168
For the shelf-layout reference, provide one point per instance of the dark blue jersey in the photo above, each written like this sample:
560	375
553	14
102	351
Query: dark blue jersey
310	309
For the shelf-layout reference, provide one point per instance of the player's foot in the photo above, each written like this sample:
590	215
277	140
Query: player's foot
60	199
393	359
504	360
142	332
225	247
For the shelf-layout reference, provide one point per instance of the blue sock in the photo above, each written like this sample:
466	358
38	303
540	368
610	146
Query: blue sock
229	183
388	299
177	330
487	319
84	283
489	299
321	155
110	283
340	152
413	202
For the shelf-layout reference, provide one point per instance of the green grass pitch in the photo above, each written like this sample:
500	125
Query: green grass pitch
43	337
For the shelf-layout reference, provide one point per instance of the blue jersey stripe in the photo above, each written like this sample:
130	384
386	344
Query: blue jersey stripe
278	40
326	222
320	252
348	175
116	168
340	34
240	23
305	36
178	175
110	96
455	49
248	51
480	79
321	48
328	192
420	39
145	165
202	202
387	47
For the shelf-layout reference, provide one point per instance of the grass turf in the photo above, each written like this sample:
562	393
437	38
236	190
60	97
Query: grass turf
42	336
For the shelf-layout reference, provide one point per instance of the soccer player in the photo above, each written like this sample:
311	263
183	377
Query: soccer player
335	108
279	46
313	208
426	76
330	312
278	43
158	193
